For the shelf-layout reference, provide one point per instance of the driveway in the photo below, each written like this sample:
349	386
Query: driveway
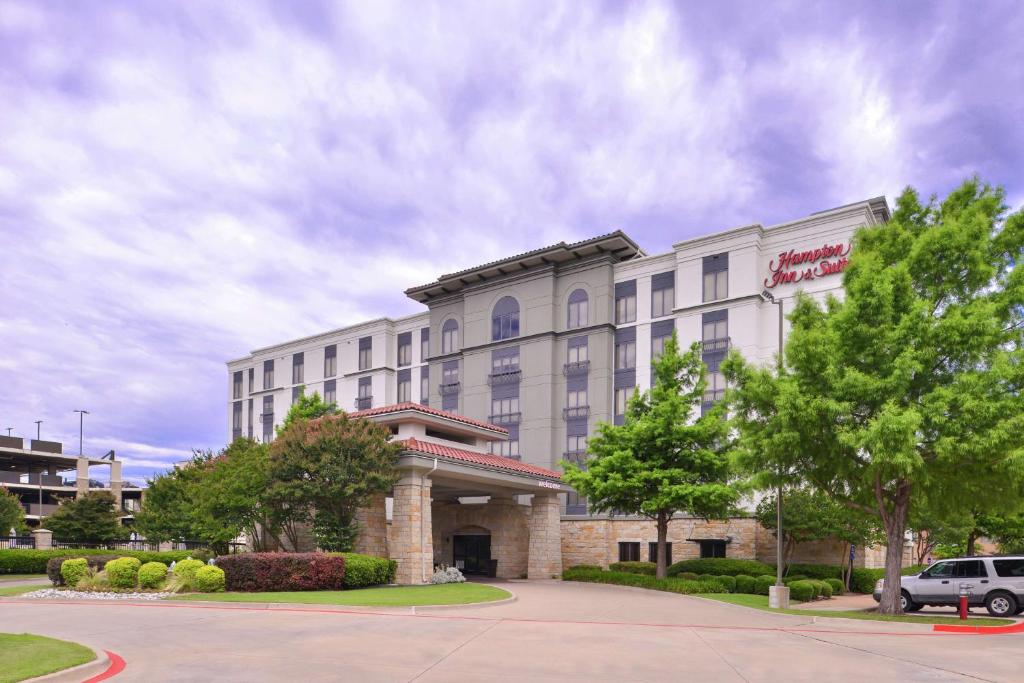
554	632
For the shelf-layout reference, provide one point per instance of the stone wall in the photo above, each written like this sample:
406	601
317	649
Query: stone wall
507	522
373	528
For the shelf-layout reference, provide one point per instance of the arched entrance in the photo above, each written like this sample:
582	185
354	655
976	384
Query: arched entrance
471	550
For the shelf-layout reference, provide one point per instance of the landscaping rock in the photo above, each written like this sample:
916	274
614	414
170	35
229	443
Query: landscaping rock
53	593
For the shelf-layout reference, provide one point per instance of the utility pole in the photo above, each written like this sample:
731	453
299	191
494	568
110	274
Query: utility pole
779	597
81	424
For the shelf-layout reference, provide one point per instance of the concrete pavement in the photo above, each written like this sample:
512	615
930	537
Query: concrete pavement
553	632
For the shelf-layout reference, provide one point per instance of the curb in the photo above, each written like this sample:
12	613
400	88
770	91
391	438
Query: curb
77	674
980	630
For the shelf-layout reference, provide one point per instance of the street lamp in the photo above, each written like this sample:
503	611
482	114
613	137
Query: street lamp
39	429
9	430
779	597
81	423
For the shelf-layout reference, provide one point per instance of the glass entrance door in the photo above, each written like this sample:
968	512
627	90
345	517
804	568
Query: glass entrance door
472	553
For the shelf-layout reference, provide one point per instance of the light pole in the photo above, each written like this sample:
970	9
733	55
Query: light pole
780	593
81	424
9	430
39	429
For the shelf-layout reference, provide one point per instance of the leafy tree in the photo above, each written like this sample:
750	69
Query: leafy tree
168	506
308	408
910	388
91	517
665	458
12	515
326	469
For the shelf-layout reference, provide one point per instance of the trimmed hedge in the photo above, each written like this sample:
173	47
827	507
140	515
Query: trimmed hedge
763	583
123	572
152	574
260	572
367	570
837	586
801	590
649	568
825	589
721	566
689	576
209	579
728	581
48	561
593	567
72	571
186	570
746	584
671	585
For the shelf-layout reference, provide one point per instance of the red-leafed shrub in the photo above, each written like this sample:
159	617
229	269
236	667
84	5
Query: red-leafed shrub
261	572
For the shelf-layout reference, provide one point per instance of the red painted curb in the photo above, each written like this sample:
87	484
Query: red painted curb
980	630
116	666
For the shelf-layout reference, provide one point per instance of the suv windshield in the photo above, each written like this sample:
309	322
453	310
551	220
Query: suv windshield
1009	567
942	570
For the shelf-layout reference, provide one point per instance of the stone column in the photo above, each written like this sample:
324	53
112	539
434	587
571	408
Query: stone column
545	537
373	527
411	529
509	536
116	483
44	539
82	483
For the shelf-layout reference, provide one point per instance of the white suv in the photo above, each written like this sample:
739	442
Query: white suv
995	582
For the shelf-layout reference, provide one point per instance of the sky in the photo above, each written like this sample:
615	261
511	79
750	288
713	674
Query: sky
182	182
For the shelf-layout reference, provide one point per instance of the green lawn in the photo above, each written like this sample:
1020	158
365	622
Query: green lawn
27	656
761	602
6	592
386	596
21	577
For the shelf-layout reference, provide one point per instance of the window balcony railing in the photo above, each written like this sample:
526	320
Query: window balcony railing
505	418
364	402
577	457
509	375
449	388
266	418
578	367
715	345
712	395
574	412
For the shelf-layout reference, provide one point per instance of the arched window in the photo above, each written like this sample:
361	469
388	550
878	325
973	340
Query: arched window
505	319
450	336
578	314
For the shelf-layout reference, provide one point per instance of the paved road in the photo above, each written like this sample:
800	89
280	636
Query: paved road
553	632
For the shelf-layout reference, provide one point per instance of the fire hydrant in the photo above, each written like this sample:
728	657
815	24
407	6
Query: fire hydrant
965	593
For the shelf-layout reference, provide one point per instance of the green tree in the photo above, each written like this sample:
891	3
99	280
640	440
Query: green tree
91	517
665	458
12	515
909	388
168	506
308	408
326	469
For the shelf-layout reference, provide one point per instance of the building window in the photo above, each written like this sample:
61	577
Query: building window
715	330
450	385
505	319
250	418
578	313
505	410
268	374
652	552
450	375
331	391
712	548
663	294
365	353
449	336
236	385
364	399
506	449
625	354
576	445
577	354
252	380
405	384
425	385
505	363
405	349
236	420
625	302
267	418
424	344
629	551
576	404
716	277
658	346
297	393
298	368
331	360
622	396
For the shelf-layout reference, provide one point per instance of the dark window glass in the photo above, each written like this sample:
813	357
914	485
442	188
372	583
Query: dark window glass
505	319
712	548
298	368
331	360
971	569
652	552
578	314
236	388
331	391
944	570
629	551
1009	568
252	380
449	336
268	374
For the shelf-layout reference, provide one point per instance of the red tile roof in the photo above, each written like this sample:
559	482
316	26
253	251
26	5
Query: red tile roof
427	410
495	461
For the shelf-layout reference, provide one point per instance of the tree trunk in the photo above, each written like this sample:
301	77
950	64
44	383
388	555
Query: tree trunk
845	566
971	536
662	566
895	522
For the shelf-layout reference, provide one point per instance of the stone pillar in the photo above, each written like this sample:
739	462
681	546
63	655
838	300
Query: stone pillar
509	536
82	483
411	529
44	539
116	483
545	537
165	546
373	527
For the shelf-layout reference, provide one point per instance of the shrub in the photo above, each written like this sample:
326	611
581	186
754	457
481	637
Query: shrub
367	570
746	584
71	571
283	571
705	577
447	575
721	566
649	568
763	583
49	561
671	585
728	581
186	569
801	591
689	576
209	579
816	571
123	572
794	577
591	567
825	590
836	585
152	574
204	555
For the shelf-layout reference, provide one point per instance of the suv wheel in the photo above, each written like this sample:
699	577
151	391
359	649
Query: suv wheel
1001	604
907	603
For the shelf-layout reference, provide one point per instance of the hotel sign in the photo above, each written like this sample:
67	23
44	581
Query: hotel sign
796	266
549	484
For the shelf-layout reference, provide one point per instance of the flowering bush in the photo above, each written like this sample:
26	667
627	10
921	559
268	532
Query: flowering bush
283	571
447	575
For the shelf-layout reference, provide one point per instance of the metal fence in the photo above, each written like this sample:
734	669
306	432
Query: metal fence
106	545
17	542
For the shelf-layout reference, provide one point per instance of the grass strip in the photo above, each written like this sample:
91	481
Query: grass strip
24	656
384	596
